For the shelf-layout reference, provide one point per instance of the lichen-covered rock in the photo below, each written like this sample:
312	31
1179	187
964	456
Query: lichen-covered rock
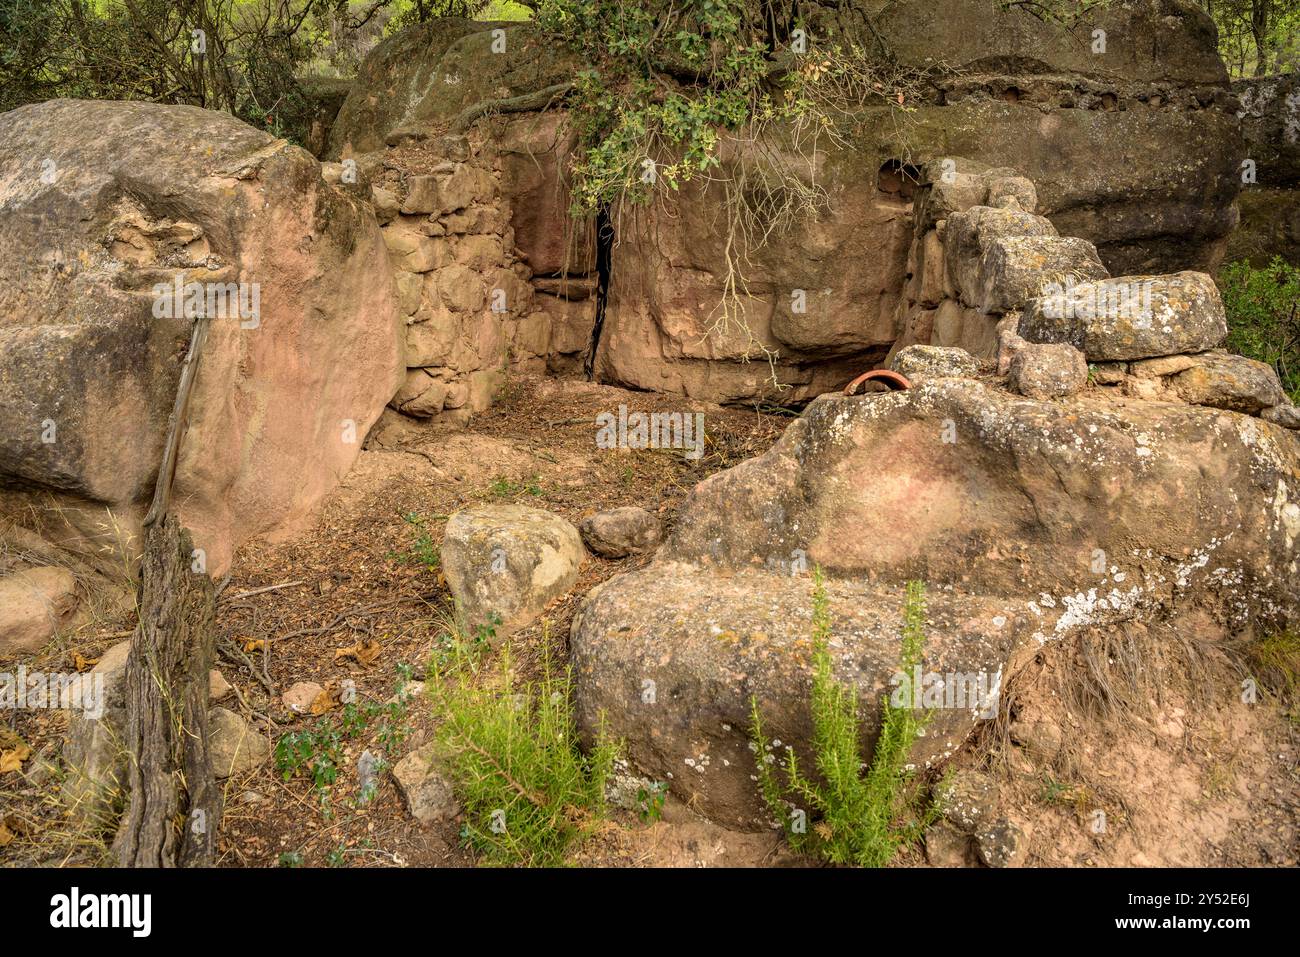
669	658
976	476
970	236
508	562
34	604
1131	317
619	532
109	248
1232	382
1048	371
1006	190
1008	342
1285	415
1030	519
1001	844
966	799
1269	109
416	81
920	360
1015	269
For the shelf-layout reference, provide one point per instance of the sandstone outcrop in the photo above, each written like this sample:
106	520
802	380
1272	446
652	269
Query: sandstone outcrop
1024	116
1031	519
110	246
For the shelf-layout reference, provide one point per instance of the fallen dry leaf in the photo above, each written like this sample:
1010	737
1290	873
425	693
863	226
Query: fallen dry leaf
12	760
12	826
363	653
327	700
82	663
254	644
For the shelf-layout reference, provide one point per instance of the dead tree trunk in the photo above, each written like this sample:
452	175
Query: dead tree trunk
174	807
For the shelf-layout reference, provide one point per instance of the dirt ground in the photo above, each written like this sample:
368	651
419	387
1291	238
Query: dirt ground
1209	781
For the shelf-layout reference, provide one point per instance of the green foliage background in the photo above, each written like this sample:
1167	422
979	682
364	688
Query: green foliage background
1263	307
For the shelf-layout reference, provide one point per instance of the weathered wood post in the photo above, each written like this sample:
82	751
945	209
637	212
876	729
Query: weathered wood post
175	807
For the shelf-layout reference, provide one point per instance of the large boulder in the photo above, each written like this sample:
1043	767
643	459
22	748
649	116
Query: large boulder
109	245
422	77
669	658
917	361
1131	317
1029	520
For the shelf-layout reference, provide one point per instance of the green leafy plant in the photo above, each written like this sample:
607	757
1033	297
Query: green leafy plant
318	751
1263	307
505	488
650	801
424	550
530	795
860	818
453	649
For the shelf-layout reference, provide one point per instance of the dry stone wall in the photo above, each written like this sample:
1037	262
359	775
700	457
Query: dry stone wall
490	277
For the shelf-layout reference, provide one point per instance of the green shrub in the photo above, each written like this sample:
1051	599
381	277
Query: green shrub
1263	308
861	818
529	793
424	549
317	751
